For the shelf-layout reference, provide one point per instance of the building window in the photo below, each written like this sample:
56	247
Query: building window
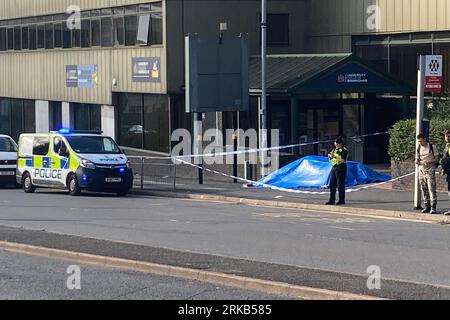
76	38
41	36
3	39
33	37
25	38
131	9
156	28
16	118
156	6
17	38
58	35
23	118
85	33
107	32
143	29
55	115
130	26
29	116
130	120
95	33
119	31
5	114
156	123
278	30
49	36
10	39
86	116
144	121
67	36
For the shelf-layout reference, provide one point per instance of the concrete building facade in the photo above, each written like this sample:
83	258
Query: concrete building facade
40	56
122	69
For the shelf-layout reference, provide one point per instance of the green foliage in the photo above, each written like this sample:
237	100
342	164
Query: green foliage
437	109
402	140
402	143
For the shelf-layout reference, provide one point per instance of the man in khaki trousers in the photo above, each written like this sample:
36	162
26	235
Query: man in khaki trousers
427	157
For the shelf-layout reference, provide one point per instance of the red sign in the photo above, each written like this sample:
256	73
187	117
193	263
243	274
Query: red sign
433	74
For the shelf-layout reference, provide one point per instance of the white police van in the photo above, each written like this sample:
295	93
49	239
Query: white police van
8	160
73	160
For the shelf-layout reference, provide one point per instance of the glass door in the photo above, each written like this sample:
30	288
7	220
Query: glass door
327	128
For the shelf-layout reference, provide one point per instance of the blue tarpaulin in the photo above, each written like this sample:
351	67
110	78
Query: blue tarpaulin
314	172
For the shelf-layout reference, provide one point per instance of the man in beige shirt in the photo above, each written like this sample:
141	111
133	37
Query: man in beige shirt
427	157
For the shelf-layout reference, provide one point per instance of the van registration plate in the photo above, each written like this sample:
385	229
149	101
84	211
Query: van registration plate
7	173
113	180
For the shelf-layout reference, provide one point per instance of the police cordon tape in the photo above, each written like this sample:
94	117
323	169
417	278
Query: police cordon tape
264	185
228	153
176	159
260	184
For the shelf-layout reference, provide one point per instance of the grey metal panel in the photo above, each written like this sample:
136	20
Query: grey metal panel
217	74
202	17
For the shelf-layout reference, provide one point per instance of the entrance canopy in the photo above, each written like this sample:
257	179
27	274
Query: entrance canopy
323	73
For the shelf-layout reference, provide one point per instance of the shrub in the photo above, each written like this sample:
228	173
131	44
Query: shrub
402	142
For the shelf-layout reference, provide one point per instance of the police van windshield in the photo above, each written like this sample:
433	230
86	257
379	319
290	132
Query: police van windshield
7	145
93	145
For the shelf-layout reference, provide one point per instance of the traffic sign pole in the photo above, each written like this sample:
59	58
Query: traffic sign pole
419	119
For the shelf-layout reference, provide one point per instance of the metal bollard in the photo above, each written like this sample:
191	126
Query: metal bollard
248	174
174	175
142	173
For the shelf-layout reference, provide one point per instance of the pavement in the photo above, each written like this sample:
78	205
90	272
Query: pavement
300	247
25	277
380	198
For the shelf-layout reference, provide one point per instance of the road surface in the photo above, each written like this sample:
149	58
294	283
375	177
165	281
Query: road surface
406	251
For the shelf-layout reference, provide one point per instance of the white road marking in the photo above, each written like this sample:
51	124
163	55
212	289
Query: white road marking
342	228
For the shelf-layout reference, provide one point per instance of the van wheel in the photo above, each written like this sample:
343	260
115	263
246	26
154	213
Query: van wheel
27	184
74	187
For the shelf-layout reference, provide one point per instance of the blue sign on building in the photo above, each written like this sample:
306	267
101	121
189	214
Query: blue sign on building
146	69
81	76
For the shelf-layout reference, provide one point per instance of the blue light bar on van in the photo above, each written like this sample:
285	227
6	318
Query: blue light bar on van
69	131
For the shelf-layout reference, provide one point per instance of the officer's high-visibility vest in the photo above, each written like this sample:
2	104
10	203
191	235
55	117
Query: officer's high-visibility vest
337	158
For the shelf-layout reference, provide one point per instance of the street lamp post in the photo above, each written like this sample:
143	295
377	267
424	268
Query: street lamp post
419	129
263	105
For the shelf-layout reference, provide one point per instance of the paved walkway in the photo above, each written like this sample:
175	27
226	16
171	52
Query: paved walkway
382	197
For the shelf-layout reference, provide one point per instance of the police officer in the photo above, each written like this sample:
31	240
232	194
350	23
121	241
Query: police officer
446	163
338	159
